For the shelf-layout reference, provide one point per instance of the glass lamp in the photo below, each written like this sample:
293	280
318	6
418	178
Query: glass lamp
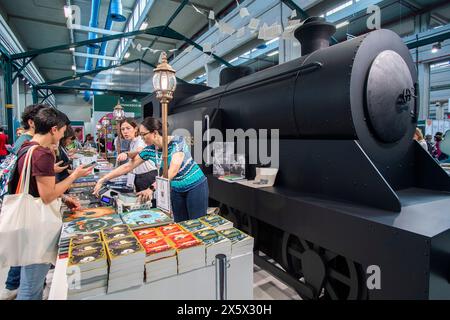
118	112
164	80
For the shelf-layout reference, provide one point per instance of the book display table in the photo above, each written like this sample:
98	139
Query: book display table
199	284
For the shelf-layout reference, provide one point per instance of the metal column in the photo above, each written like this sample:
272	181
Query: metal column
7	78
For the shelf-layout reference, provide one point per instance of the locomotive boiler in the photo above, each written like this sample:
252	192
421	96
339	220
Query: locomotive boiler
358	210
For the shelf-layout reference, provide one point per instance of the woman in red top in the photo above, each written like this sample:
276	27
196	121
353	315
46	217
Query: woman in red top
3	143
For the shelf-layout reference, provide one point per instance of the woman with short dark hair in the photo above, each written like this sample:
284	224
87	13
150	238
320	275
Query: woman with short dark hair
189	187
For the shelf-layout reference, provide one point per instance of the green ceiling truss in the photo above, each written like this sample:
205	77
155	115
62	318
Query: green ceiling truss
174	15
161	31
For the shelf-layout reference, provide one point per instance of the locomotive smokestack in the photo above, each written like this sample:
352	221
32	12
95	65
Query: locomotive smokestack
314	34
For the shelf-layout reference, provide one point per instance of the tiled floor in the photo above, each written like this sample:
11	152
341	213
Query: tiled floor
265	286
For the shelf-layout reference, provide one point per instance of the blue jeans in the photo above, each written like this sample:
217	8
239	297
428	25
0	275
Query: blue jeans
32	279
13	280
191	204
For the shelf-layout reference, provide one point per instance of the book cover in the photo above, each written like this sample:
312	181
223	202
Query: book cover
193	225
124	247
234	235
215	221
145	218
147	233
209	237
184	240
116	232
85	238
86	254
156	245
75	227
88	213
170	229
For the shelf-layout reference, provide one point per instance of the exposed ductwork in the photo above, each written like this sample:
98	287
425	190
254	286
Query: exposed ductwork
93	23
116	11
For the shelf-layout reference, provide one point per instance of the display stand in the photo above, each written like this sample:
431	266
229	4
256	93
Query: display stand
199	284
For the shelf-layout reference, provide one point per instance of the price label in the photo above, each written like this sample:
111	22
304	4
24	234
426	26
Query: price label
163	194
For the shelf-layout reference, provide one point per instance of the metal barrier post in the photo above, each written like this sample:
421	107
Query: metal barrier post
221	277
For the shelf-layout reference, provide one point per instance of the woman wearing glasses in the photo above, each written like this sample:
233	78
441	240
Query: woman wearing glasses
189	187
145	173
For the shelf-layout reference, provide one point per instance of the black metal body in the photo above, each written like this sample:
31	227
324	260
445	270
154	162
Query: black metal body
353	188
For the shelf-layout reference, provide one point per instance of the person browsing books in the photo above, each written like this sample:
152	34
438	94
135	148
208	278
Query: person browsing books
50	126
189	187
145	173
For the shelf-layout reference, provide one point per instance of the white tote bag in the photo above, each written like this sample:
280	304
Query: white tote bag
29	229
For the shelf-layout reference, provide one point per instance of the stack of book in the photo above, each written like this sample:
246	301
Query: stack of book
217	222
170	229
215	244
241	243
126	258
138	219
87	268
190	251
83	227
161	260
193	225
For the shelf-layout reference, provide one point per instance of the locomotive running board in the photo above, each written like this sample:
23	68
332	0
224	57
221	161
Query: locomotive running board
339	169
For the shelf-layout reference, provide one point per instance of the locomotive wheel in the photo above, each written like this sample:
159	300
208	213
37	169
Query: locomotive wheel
330	275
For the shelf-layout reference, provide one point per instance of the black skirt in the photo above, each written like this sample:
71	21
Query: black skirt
145	180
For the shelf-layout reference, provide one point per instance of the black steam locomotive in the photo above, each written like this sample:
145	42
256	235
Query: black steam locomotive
359	210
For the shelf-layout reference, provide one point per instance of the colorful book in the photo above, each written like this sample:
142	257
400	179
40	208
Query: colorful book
137	219
193	225
172	228
85	226
157	248
184	240
217	222
241	243
147	233
125	249
85	238
116	232
210	237
86	257
88	213
215	244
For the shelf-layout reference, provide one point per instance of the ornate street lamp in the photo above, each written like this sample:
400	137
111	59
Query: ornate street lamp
106	123
164	83
119	115
99	128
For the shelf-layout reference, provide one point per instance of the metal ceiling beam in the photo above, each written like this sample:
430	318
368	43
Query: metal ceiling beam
57	24
156	31
161	31
293	6
98	70
172	17
83	74
96	56
67	88
200	6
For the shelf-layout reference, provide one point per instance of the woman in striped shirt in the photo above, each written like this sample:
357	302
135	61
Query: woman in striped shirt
189	187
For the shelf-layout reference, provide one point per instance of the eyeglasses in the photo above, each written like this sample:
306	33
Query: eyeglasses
144	134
